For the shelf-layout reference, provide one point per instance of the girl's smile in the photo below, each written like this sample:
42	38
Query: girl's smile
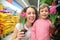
44	13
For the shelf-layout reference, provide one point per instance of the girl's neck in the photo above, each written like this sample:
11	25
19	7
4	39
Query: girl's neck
43	19
28	24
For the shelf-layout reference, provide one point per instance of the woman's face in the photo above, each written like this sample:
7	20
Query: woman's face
44	13
30	15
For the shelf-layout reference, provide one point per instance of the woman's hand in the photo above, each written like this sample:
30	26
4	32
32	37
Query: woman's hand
20	35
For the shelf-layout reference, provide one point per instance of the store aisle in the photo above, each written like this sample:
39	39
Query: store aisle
9	37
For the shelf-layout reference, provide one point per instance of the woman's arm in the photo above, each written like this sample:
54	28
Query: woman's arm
15	34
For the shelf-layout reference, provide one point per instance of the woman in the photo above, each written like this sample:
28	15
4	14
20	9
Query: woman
31	16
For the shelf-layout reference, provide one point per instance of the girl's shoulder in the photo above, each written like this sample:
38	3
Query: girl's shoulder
37	20
49	21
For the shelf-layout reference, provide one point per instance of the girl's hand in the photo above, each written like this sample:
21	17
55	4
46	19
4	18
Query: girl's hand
56	32
20	35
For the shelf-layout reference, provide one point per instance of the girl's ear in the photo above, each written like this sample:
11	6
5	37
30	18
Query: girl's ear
48	13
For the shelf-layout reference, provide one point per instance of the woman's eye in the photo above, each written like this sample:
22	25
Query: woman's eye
33	13
29	13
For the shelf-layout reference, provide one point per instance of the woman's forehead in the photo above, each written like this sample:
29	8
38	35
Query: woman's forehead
30	9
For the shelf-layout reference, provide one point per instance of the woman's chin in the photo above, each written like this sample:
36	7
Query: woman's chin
31	21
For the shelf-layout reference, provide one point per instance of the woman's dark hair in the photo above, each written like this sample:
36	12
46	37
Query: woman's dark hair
25	9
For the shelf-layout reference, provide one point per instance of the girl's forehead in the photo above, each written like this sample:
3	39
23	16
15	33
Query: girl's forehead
45	8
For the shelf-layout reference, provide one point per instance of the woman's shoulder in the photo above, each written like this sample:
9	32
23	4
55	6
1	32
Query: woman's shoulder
18	26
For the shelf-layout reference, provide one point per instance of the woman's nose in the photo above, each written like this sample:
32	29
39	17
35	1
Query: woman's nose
31	14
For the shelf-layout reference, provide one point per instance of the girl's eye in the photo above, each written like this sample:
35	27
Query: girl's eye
46	11
41	11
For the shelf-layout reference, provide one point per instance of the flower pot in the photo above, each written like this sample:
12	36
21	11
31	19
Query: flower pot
24	30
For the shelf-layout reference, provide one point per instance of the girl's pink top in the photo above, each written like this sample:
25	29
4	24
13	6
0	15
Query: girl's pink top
40	30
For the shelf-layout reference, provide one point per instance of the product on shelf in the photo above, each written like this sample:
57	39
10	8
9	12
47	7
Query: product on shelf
7	22
1	6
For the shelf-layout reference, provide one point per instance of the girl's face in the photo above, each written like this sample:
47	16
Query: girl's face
44	13
30	15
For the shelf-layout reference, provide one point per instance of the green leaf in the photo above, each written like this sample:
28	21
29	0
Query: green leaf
53	17
23	21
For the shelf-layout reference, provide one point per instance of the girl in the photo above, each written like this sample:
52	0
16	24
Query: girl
31	16
40	29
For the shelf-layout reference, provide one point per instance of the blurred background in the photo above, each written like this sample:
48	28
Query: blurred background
10	10
9	13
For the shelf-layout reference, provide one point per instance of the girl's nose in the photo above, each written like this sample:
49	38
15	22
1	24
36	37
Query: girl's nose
44	12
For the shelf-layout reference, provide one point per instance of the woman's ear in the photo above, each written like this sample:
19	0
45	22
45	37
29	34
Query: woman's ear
25	15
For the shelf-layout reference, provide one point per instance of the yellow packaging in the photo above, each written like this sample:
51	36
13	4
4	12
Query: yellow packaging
1	7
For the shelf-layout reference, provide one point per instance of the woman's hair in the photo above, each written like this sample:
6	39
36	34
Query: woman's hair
43	6
25	9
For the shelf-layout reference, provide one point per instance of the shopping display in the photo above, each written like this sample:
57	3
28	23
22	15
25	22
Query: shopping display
7	22
10	15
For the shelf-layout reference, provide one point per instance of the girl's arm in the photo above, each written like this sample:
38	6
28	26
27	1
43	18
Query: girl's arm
52	30
33	32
